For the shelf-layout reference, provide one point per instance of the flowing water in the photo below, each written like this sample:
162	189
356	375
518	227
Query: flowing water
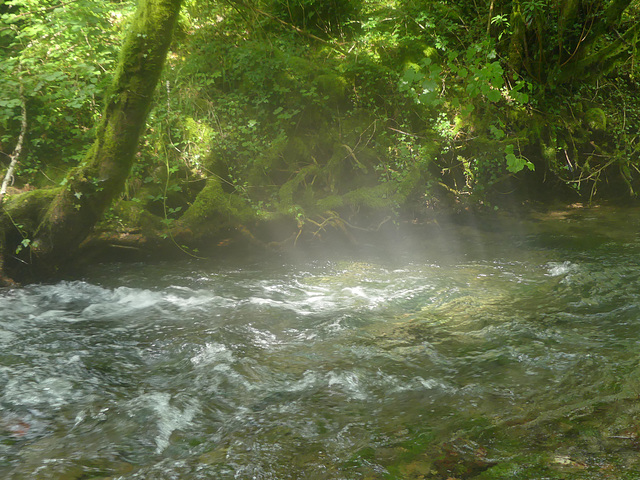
473	353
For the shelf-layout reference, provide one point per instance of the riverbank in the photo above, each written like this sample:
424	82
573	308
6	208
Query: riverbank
580	225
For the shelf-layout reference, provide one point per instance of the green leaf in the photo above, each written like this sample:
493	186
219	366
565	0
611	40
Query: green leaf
429	85
516	164
494	95
412	75
496	132
428	98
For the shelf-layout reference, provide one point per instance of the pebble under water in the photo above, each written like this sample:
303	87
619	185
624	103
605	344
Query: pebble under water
487	353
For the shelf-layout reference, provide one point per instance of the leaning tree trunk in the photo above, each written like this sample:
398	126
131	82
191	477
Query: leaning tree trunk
91	187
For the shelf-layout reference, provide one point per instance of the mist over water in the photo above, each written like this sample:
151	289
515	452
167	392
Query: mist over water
381	362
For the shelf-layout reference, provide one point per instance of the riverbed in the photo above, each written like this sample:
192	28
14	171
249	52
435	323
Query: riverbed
489	349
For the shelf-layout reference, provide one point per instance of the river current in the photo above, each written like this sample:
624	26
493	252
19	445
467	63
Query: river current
477	352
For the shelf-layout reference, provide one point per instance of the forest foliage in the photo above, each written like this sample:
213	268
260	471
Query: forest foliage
339	114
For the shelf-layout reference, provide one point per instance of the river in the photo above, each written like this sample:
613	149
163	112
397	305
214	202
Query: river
486	350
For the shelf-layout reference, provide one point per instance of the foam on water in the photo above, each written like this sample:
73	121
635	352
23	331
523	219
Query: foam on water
290	371
213	354
32	391
158	408
556	269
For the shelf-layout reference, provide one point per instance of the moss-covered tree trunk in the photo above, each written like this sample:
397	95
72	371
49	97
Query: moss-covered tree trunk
91	187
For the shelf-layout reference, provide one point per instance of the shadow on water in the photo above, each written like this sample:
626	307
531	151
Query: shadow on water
495	348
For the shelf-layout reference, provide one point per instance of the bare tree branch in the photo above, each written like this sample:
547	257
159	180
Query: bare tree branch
18	149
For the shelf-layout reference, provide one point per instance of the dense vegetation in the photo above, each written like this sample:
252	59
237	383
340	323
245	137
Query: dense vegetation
281	120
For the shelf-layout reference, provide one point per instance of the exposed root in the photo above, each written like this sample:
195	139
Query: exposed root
333	220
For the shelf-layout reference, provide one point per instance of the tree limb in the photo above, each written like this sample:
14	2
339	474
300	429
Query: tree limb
18	149
602	61
91	187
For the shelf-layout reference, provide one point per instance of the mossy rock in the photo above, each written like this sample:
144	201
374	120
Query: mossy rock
214	209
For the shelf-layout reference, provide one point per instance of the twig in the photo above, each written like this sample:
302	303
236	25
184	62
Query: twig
16	152
405	133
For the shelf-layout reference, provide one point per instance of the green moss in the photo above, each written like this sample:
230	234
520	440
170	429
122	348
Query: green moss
408	184
548	148
299	65
596	119
432	53
333	87
287	202
132	216
296	151
210	200
214	209
331	202
28	207
506	470
376	197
